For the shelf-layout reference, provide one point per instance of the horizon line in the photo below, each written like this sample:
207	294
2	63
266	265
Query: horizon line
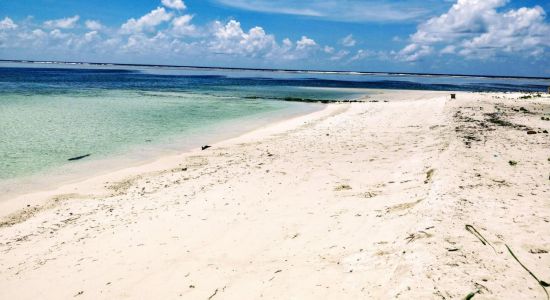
282	70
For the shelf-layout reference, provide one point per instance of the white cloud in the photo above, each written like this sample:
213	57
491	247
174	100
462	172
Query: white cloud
142	44
231	39
65	23
159	34
182	25
476	29
448	50
7	23
38	33
414	52
343	10
287	43
147	22
339	55
305	43
90	36
328	49
93	25
515	31
174	4
360	55
57	34
303	49
348	41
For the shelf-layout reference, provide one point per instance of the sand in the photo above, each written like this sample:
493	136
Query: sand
358	201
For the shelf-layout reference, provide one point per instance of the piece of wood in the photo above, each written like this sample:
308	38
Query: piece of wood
78	157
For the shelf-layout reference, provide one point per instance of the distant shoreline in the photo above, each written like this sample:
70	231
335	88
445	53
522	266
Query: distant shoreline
297	71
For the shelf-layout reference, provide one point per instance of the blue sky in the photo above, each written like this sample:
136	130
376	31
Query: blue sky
500	37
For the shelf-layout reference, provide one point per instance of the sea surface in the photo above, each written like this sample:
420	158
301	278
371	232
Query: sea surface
124	115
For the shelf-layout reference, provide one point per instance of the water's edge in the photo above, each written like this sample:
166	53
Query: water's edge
86	169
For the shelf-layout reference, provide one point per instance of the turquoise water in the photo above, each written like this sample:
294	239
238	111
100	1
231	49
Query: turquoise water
48	116
124	116
41	132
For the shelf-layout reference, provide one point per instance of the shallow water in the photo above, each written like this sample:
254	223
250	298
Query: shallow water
45	130
48	115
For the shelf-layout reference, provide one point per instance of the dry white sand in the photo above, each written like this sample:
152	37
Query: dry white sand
359	201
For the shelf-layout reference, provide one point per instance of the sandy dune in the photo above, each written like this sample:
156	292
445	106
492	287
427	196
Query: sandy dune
359	201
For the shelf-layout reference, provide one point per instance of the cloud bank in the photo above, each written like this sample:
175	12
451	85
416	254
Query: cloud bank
480	29
163	33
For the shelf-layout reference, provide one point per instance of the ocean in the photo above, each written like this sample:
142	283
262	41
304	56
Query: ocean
123	115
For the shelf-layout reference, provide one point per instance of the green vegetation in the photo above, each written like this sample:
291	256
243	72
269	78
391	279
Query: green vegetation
537	95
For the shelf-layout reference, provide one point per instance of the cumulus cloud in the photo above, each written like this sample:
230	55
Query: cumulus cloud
339	55
58	34
348	41
174	4
147	22
93	25
65	23
518	30
360	55
232	39
450	49
305	43
182	25
159	33
476	29
90	36
328	49
414	52
7	24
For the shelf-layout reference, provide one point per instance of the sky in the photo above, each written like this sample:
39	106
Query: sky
486	37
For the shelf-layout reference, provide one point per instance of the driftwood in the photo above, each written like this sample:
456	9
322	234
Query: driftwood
78	157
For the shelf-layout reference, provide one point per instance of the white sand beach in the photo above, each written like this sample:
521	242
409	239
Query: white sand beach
358	201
